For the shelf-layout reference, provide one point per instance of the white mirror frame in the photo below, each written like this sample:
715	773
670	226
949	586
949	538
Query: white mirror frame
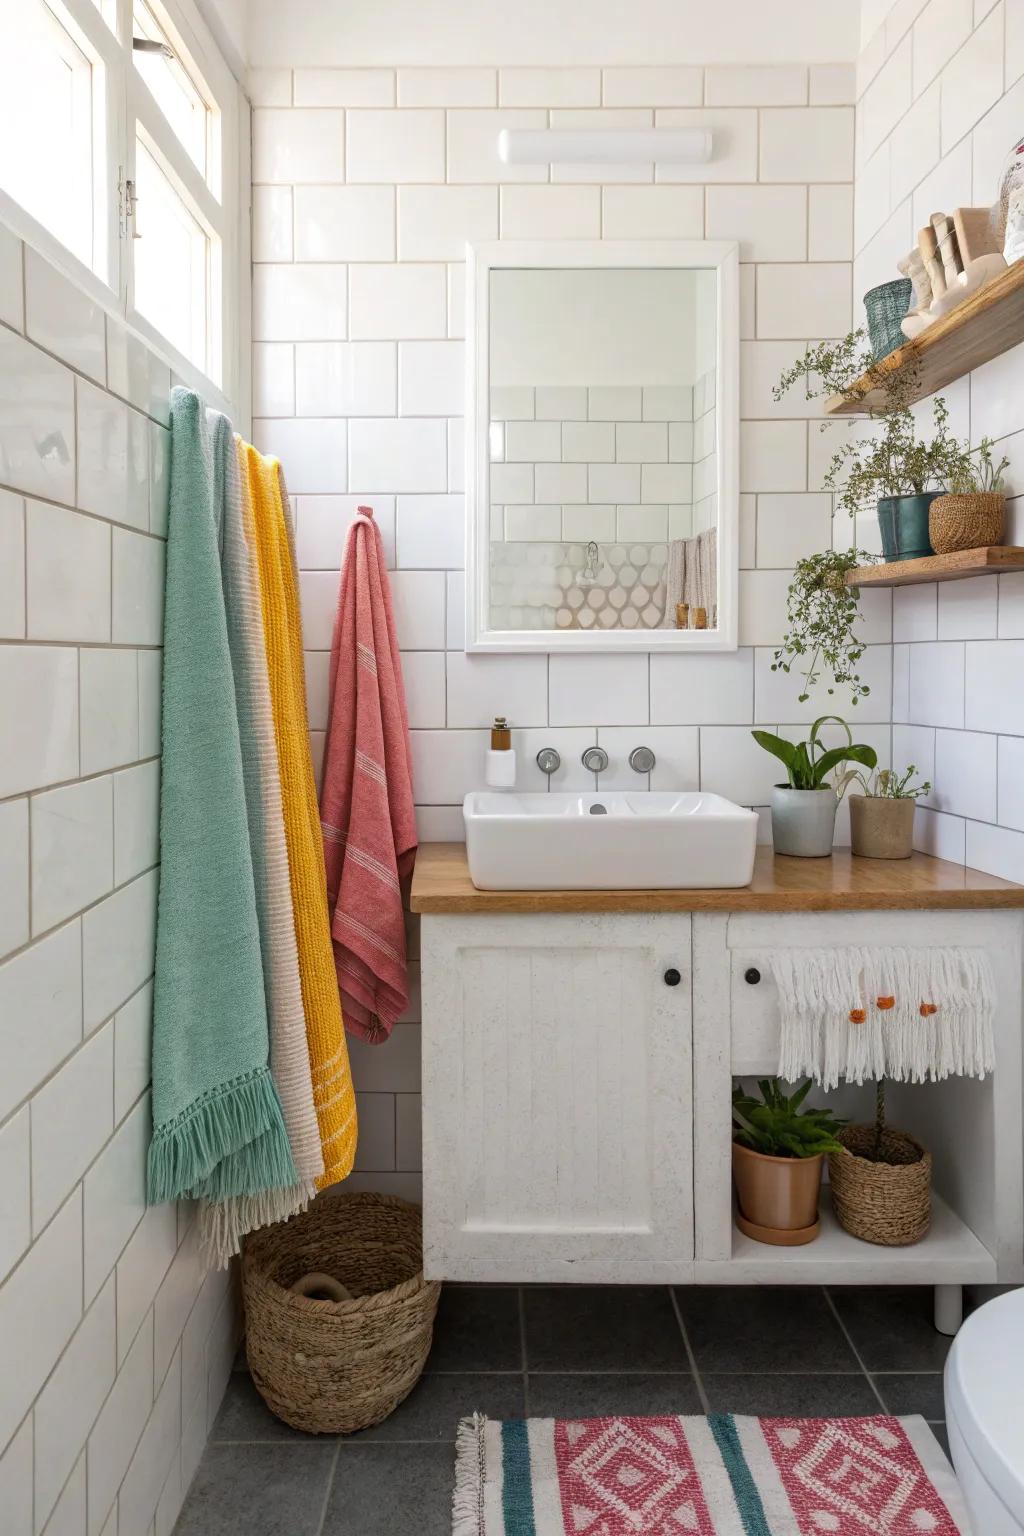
481	260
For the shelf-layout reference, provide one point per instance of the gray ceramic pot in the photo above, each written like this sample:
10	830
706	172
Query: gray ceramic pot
803	821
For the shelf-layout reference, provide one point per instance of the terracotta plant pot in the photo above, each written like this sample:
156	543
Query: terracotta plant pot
778	1196
966	522
881	828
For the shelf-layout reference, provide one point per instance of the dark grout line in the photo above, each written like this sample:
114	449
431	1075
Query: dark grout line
329	1489
702	1395
856	1352
523	1357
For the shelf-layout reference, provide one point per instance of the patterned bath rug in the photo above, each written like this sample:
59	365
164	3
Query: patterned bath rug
716	1476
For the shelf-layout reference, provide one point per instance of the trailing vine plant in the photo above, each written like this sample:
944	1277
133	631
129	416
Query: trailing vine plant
890	458
887	458
821	611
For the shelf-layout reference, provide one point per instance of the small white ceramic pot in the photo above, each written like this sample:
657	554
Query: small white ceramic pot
804	821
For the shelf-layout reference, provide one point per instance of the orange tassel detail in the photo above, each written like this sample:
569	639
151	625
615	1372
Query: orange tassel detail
857	1015
885	1002
927	1009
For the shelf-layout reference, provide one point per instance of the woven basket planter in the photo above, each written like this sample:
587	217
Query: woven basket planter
966	522
332	1367
881	1202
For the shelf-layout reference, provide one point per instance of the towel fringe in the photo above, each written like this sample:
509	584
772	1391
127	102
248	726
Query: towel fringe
194	1154
833	1027
470	1467
224	1223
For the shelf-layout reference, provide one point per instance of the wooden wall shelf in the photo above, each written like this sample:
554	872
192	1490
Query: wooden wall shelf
955	567
991	321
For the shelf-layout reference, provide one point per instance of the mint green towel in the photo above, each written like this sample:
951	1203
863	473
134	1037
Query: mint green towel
218	1130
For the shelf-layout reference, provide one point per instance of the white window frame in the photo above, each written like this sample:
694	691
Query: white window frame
123	105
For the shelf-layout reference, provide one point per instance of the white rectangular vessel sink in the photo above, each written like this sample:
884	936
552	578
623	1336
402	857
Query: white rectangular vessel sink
618	840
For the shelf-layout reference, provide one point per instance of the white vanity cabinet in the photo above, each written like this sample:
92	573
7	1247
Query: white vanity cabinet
576	1095
557	1096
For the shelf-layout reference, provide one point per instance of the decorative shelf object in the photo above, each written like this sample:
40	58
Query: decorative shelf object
955	567
988	323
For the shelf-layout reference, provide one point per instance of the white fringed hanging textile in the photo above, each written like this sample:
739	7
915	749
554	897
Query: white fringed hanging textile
904	1014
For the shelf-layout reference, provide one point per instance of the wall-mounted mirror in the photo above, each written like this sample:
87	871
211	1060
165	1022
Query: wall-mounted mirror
602	422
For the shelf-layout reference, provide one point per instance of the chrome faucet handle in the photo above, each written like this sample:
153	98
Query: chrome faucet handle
642	759
595	759
548	760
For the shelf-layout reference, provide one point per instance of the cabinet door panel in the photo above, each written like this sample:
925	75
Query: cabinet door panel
556	1097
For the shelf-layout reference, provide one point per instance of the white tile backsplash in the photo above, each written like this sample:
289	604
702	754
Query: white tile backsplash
601	690
37	421
304	302
47	1283
397	302
72	850
350	223
292	146
67	574
61	319
344	378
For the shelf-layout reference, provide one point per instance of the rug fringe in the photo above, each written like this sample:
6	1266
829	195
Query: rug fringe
468	1498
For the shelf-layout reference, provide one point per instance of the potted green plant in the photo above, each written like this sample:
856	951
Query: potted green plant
972	513
889	468
821	611
778	1151
804	808
882	818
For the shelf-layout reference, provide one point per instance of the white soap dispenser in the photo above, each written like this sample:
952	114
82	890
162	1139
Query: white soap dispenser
500	767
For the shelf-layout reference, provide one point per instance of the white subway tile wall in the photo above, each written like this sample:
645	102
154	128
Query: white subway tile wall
939	98
89	1422
362	210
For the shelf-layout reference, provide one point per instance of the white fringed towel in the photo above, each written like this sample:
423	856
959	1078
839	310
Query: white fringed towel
904	1014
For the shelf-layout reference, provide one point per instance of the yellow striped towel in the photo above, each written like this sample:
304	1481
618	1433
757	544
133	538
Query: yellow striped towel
333	1093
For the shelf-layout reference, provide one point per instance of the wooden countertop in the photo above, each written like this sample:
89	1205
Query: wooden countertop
441	883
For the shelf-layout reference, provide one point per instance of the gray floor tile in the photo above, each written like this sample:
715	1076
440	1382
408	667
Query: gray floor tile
892	1326
477	1329
437	1402
275	1490
592	1397
741	1329
391	1490
809	1396
602	1328
920	1392
245	1416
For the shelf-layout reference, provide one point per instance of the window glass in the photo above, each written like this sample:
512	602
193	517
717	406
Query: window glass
46	126
173	254
174	90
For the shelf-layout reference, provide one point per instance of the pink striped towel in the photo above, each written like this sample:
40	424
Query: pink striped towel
366	803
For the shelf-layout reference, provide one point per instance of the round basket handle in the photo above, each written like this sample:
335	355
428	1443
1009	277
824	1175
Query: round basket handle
320	1287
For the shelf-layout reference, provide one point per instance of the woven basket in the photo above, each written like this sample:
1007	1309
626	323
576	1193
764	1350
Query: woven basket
884	1202
966	522
886	306
332	1367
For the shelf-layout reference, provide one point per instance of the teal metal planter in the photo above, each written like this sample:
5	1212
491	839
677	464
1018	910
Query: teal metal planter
903	521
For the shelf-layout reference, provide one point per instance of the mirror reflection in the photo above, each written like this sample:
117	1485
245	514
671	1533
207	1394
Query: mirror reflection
603	473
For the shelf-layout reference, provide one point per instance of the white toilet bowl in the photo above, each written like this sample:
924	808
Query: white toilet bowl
984	1386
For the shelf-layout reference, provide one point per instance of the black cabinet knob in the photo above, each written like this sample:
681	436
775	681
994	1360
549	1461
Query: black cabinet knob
752	976
672	978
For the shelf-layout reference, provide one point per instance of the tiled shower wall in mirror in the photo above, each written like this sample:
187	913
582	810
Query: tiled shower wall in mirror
368	184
